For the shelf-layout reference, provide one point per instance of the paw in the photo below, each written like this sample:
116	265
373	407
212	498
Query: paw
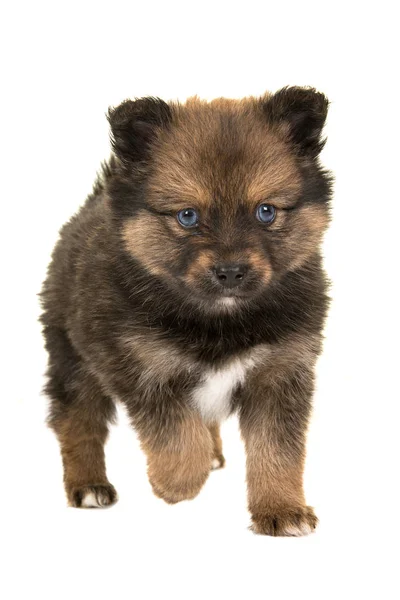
172	493
93	496
172	489
218	462
296	521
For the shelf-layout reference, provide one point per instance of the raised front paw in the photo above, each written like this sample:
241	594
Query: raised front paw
288	521
177	476
93	496
174	490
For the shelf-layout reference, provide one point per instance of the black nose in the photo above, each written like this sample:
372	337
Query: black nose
229	275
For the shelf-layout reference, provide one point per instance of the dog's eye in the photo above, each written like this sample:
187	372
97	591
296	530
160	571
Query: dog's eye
266	213
188	217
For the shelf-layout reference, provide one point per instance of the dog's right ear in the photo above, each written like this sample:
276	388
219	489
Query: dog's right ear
134	125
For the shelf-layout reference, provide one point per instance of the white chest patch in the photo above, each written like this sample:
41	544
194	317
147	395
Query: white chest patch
212	396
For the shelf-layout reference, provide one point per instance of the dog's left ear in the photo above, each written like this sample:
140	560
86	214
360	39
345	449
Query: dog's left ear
302	113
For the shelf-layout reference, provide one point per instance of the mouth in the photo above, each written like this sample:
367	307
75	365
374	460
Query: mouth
218	296
227	301
233	294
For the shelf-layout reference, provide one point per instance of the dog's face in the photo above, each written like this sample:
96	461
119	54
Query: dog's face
220	199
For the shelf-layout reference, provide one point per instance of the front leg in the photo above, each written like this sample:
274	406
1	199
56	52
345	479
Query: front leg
273	420
178	446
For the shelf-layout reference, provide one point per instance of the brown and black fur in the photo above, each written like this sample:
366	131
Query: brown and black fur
132	309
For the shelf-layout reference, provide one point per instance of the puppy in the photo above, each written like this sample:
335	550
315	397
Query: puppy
189	287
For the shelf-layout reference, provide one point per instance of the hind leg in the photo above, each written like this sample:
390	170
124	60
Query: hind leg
218	460
79	415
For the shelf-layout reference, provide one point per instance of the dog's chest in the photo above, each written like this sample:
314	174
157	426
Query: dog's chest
213	393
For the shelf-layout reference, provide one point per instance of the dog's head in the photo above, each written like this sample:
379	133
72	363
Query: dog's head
220	199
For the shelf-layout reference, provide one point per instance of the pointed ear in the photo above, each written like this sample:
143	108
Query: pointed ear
134	125
302	112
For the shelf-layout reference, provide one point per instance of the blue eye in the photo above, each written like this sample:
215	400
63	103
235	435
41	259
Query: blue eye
188	217
266	213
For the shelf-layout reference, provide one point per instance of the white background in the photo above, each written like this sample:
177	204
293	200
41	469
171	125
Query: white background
63	64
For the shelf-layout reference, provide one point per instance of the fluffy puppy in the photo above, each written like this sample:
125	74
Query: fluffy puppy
189	286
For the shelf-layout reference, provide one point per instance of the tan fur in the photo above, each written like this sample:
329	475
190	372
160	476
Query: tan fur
183	176
307	231
160	359
281	483
143	232
217	444
204	261
275	483
275	459
297	351
82	435
261	265
179	469
287	522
